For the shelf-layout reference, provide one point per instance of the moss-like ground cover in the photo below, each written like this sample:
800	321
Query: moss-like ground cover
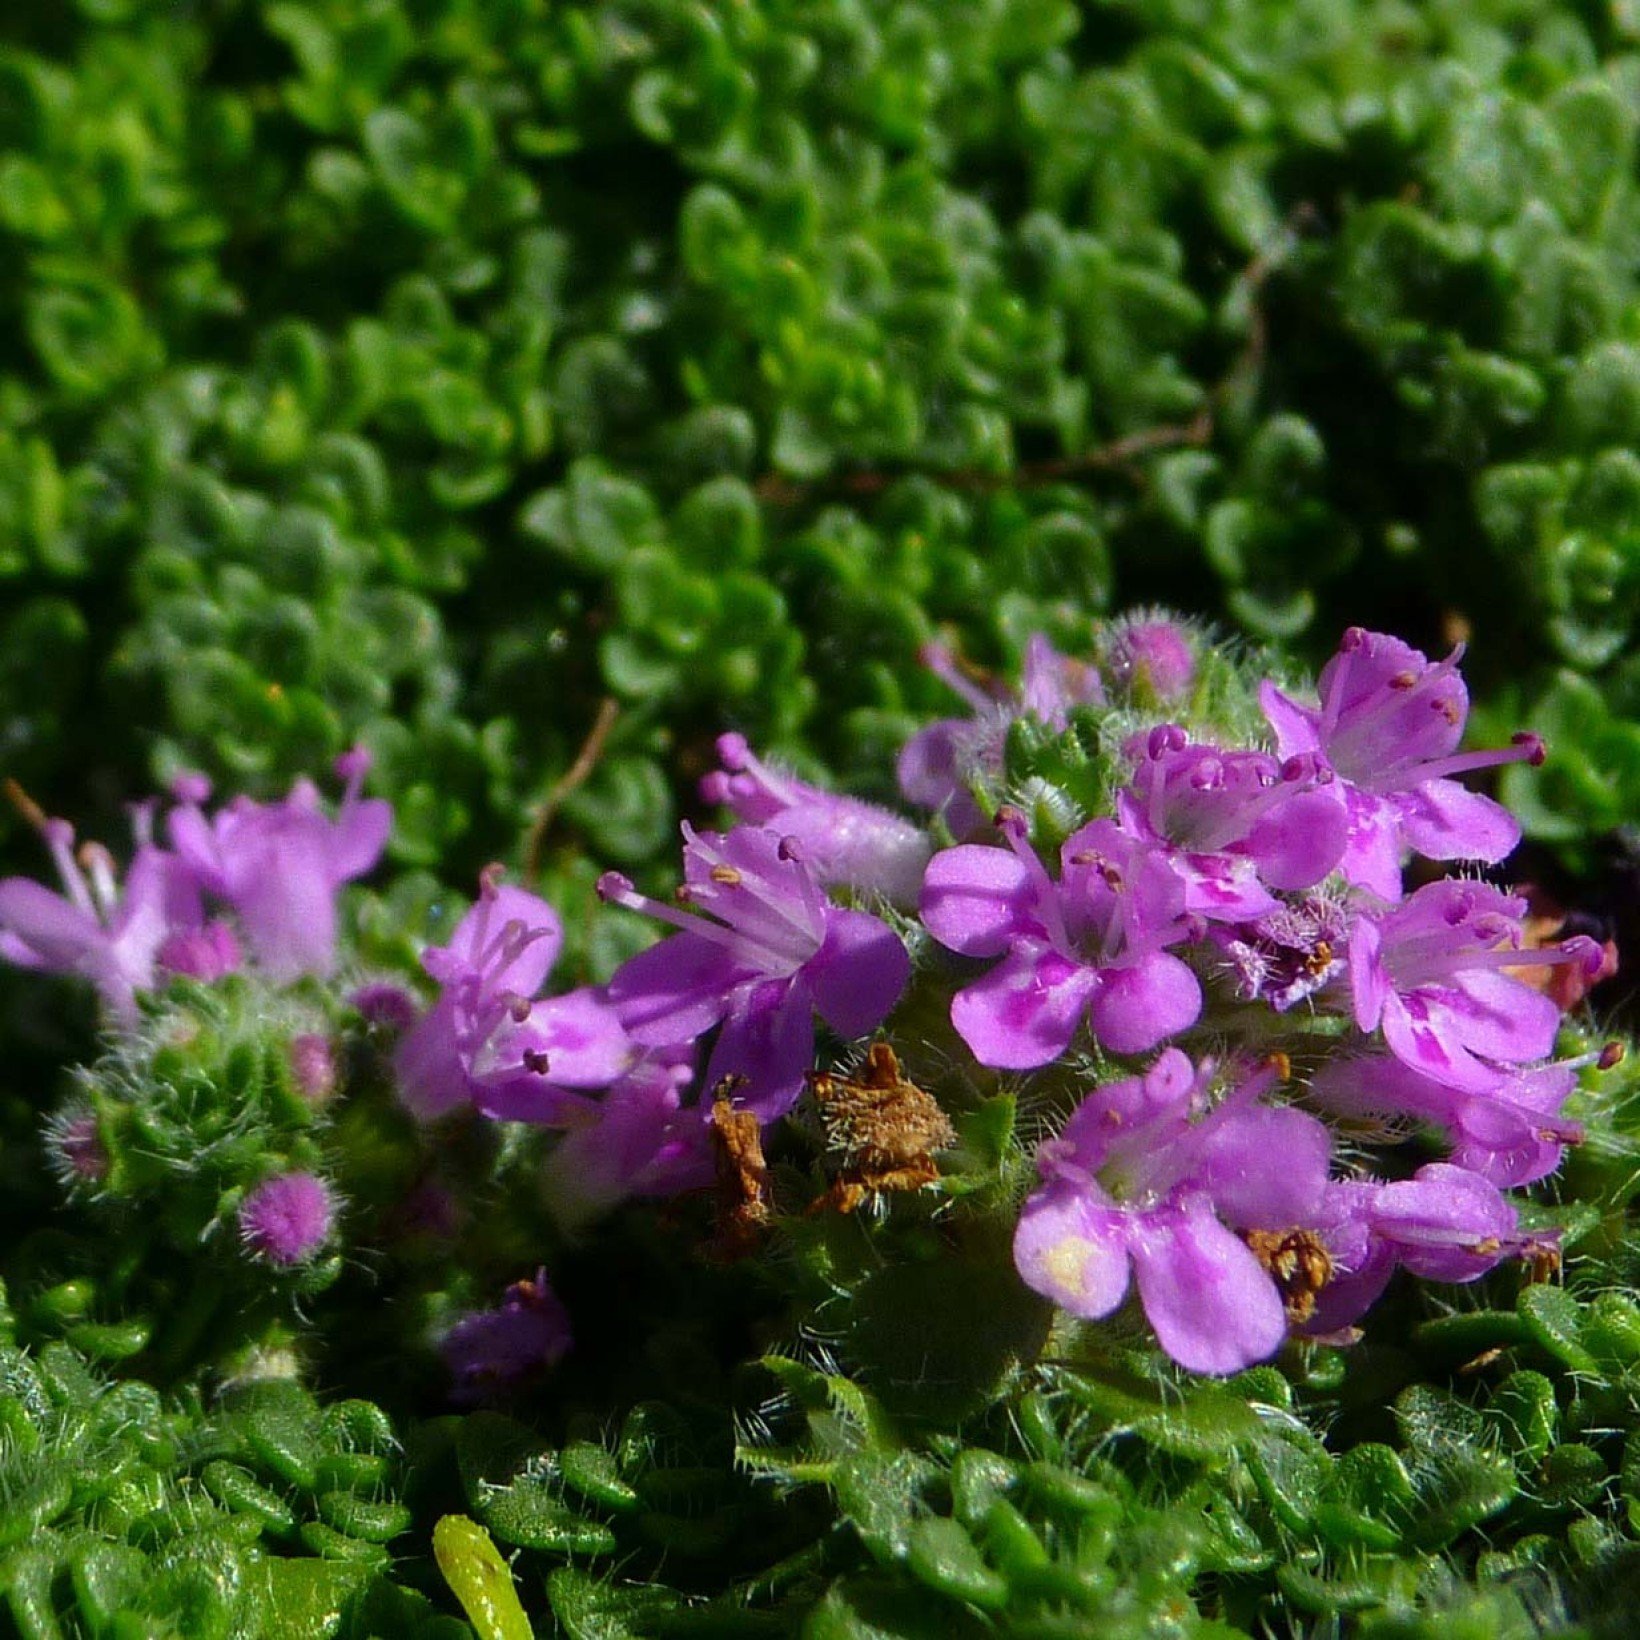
529	393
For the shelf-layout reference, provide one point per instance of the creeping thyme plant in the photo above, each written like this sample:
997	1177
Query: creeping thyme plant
630	1004
1054	1204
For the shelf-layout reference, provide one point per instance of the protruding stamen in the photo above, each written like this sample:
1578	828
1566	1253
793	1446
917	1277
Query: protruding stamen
944	665
1525	747
99	866
1016	833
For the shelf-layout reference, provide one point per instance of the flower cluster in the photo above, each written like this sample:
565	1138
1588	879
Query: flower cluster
252	882
1199	970
1277	878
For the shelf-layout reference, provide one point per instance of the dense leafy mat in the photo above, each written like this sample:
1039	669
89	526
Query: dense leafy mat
496	383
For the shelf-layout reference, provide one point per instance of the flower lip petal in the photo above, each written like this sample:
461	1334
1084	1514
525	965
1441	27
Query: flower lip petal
1025	1012
977	900
1072	1251
858	974
1214	1307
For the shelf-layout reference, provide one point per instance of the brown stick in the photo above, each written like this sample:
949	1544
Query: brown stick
1117	456
586	760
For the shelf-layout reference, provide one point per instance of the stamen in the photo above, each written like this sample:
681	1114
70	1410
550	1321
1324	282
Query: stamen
944	665
753	887
32	813
59	838
1524	748
614	889
1011	823
99	865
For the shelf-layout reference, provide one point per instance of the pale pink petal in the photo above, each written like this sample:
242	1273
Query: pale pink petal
1073	1251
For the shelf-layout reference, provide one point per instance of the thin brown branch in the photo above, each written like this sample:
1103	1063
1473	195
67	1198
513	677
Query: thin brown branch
586	760
1120	455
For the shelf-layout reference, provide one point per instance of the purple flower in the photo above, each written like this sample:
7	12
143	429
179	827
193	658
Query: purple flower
287	1219
1429	972
1389	722
94	928
938	763
637	1139
491	1351
313	1066
205	953
75	1147
844	841
1090	944
1146	1178
1443	1224
385	1005
1233	824
1291	953
279	865
1150	658
1512	1134
762	950
486	1041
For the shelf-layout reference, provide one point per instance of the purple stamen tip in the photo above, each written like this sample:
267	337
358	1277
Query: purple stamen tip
353	764
1533	746
489	879
1011	821
612	886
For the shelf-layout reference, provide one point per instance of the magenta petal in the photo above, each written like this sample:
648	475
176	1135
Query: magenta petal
1303	840
1369	985
1295	725
929	767
499	913
55	932
1501	1017
675	990
1026	1010
1264	1168
1372	854
1073	1251
1137	1007
582	1039
1213	1306
976	900
769	1040
427	1063
858	974
1420	1041
198	847
1447	1224
287	906
1446	821
358	838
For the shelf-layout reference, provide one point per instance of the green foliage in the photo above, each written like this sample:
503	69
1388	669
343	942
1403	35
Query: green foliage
266	1517
472	377
426	375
